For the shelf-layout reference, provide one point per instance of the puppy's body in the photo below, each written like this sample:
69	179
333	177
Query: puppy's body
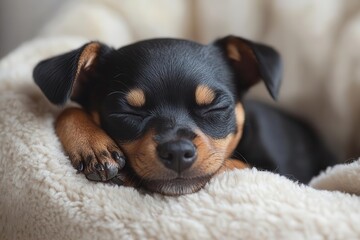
173	107
277	141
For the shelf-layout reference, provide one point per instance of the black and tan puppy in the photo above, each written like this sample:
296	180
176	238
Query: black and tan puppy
174	110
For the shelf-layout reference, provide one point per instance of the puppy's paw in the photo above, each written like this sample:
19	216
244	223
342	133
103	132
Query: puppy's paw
99	159
90	149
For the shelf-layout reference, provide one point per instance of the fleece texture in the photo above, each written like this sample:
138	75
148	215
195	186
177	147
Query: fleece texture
42	197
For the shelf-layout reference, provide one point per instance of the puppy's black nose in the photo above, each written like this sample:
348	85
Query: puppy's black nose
177	155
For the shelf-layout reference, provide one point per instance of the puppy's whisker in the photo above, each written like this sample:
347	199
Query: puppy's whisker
115	92
242	156
119	75
122	84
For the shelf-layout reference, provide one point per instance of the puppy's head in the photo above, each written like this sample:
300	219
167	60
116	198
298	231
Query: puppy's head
173	106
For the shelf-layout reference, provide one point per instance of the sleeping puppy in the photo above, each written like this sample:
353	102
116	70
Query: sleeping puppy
173	110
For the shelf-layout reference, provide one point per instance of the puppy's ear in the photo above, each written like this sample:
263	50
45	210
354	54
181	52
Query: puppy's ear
67	75
252	62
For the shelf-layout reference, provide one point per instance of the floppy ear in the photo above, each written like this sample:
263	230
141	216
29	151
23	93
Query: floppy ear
252	62
65	76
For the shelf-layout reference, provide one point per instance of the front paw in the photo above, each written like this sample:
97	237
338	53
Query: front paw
99	161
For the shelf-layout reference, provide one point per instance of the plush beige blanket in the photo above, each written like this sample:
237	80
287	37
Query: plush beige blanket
42	197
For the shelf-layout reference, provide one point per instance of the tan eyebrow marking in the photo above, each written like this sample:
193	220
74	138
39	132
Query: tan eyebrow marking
204	95
136	97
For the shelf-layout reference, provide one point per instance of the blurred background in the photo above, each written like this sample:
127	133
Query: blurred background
22	20
319	41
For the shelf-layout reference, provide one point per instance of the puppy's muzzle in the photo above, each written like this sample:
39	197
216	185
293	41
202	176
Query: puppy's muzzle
177	155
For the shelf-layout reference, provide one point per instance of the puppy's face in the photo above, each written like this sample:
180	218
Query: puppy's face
173	106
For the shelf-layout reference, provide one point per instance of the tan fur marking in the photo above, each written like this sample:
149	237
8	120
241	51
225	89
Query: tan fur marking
240	119
231	164
228	144
136	98
95	116
212	155
87	57
204	95
236	49
82	138
142	156
213	152
232	51
243	60
86	60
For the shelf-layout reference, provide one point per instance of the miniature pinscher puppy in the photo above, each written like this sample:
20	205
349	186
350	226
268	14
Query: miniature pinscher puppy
173	110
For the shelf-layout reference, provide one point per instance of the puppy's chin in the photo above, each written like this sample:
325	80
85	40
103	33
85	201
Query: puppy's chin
177	186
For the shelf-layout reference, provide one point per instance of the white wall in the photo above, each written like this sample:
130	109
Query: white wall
21	20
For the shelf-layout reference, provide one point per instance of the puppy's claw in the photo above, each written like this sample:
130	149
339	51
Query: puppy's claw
80	167
111	171
99	167
119	159
102	173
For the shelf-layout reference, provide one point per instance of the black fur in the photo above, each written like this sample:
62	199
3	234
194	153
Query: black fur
56	76
279	142
168	71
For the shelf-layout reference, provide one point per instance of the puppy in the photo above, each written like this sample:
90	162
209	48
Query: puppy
173	110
